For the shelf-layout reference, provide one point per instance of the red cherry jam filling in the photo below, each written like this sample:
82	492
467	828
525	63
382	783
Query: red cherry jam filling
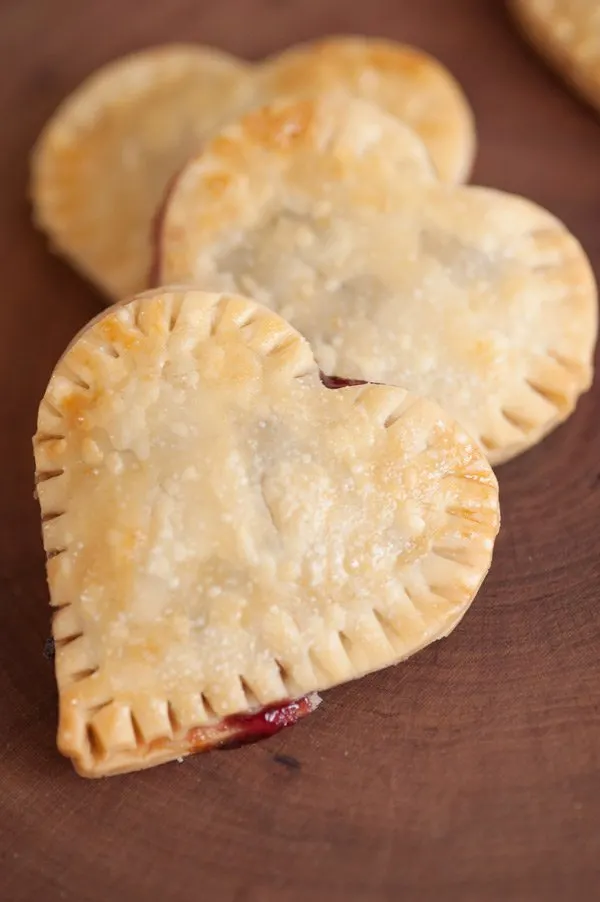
243	729
334	382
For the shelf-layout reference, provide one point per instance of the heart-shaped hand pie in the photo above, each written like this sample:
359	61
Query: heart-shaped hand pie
403	81
567	33
225	532
105	158
102	164
326	210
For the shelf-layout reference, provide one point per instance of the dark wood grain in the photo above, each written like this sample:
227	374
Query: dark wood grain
469	774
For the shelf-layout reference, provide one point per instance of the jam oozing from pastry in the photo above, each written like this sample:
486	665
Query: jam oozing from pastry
243	729
334	382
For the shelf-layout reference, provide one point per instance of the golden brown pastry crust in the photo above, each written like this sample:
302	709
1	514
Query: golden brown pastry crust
327	211
103	161
404	81
567	34
224	532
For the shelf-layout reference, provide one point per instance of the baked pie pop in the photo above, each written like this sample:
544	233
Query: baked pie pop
327	210
104	159
228	533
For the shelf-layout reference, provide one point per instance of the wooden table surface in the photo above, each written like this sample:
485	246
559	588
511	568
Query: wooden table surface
470	773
